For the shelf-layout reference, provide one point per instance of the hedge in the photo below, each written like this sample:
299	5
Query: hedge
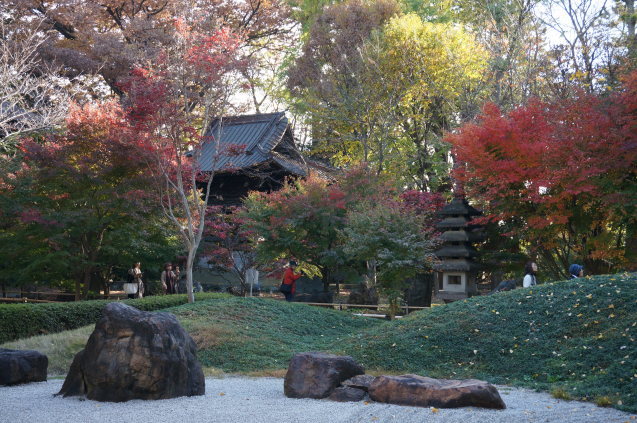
28	319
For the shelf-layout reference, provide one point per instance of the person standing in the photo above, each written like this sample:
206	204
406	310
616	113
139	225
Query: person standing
530	270
134	286
169	279
575	271
288	286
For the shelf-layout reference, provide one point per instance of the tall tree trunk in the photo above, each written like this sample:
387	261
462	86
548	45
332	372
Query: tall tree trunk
630	249
86	280
631	21
189	265
78	288
326	279
371	272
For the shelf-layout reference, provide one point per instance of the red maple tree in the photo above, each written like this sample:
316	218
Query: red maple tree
562	174
170	104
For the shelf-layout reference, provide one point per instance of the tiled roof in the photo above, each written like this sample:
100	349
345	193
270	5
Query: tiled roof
459	207
257	134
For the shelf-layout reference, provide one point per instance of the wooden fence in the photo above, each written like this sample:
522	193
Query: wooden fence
342	306
26	297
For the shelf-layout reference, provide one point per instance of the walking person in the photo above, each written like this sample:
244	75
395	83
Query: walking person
575	271
530	270
169	279
288	286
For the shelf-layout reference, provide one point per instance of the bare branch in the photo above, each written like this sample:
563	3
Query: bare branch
31	97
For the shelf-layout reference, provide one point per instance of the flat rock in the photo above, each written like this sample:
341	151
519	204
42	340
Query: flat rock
347	394
360	382
427	392
133	354
18	367
316	375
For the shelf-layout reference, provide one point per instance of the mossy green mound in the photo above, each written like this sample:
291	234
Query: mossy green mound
253	334
579	336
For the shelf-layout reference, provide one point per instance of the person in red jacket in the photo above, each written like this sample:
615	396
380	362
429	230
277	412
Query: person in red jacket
289	278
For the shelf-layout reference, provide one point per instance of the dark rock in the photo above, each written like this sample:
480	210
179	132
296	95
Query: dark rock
505	286
133	354
316	375
427	392
22	366
360	382
347	394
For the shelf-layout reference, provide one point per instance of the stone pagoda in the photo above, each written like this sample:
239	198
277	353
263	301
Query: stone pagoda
457	270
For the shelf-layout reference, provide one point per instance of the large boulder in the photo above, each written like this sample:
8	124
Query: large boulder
22	366
316	375
359	382
347	394
133	354
427	392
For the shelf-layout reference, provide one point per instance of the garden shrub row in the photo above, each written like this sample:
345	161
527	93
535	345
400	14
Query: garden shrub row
27	319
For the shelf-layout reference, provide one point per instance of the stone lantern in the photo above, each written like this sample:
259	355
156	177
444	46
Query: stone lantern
457	270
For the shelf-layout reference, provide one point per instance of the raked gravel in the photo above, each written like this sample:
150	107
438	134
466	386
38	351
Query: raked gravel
256	400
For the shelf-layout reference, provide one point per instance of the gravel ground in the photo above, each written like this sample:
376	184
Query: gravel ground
256	400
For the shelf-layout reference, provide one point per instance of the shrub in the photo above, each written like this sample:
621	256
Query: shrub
153	287
603	401
24	320
561	393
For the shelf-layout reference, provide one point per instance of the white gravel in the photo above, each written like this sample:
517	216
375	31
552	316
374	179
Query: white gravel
255	400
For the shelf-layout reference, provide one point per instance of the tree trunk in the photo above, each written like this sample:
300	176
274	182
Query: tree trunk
326	279
631	21
107	290
78	289
371	272
189	284
631	248
86	280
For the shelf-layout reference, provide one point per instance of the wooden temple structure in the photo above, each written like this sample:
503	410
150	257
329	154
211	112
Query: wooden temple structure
253	153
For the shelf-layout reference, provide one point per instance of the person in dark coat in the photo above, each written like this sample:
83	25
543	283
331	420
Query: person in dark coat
575	271
169	279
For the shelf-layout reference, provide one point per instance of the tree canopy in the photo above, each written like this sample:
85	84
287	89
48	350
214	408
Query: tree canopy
563	172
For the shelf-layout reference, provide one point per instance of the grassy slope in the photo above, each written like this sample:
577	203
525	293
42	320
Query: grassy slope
255	334
579	336
233	334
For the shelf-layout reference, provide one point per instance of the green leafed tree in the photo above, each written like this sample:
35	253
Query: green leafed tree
381	87
304	220
396	241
